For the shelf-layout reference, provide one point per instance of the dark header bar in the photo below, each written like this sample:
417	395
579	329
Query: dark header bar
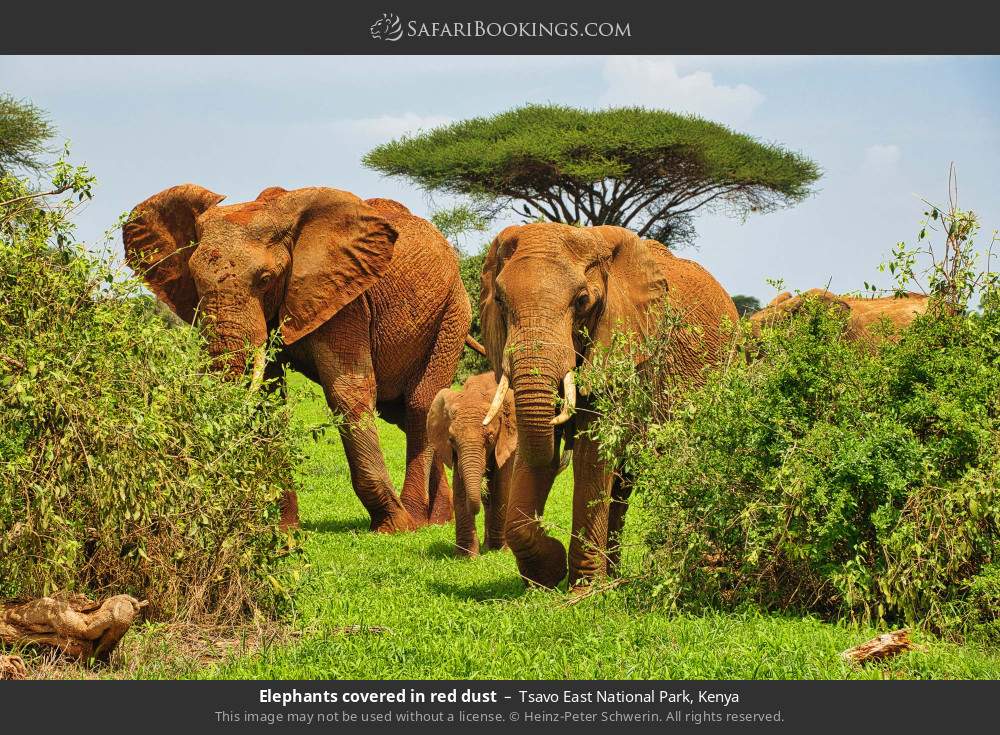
512	27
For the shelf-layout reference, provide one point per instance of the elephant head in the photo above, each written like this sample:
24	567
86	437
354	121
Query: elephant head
549	291
288	260
474	451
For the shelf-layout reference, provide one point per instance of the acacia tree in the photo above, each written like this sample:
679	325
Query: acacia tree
24	130
648	170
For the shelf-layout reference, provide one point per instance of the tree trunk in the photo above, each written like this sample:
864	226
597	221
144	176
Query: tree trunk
77	626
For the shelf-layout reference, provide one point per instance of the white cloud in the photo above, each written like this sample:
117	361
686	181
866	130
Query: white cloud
658	82
385	127
881	158
786	61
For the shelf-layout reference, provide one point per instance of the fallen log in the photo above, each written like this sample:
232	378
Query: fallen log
880	647
74	624
12	667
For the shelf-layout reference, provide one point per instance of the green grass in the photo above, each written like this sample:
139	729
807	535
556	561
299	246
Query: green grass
454	618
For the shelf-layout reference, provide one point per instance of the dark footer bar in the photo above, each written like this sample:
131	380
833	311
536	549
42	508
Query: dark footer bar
573	706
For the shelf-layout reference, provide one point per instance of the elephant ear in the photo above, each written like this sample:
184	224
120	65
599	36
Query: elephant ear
438	423
506	433
342	246
635	283
157	237
491	322
271	192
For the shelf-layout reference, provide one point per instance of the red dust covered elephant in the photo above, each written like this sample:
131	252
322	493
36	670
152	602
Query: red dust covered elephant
366	295
549	293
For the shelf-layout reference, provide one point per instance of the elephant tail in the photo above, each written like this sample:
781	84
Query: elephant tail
474	344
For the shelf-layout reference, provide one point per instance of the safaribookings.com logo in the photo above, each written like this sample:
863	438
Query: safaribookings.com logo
390	28
387	28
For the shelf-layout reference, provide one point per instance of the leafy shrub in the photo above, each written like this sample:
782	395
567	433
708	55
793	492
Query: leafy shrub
125	465
978	611
846	480
471	362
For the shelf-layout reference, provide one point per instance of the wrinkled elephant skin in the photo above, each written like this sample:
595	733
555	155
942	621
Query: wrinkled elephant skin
367	298
898	312
455	426
545	286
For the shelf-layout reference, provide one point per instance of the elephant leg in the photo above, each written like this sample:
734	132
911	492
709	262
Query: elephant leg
621	489
289	507
370	477
591	503
418	493
274	382
419	460
541	559
352	395
496	505
466	538
440	493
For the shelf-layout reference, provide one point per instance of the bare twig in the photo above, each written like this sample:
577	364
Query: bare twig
12	362
36	195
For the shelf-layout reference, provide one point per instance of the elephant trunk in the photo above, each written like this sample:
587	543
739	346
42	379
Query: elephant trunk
234	336
473	466
536	377
533	401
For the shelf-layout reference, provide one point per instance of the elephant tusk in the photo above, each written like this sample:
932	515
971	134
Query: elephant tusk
569	402
497	399
259	358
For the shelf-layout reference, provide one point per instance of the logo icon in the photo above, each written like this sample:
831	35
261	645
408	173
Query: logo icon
387	28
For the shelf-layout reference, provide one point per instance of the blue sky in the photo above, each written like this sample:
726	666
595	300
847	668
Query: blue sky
883	129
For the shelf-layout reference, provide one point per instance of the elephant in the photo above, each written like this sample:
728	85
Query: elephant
550	292
862	313
367	298
455	426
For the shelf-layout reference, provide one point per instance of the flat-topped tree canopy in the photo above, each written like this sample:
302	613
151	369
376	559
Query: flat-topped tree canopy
643	169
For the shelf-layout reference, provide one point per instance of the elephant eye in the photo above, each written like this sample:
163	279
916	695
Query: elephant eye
581	301
264	278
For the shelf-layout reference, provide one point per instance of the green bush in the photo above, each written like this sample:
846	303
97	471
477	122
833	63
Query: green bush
829	477
125	465
978	611
471	362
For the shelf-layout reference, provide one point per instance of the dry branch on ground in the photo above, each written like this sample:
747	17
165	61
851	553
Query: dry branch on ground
77	626
12	667
880	647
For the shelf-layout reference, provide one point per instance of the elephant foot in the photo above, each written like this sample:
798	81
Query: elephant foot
467	550
582	587
546	565
417	510
441	510
289	505
492	545
395	521
584	578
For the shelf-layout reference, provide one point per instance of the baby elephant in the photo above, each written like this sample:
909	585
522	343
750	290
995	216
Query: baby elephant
455	428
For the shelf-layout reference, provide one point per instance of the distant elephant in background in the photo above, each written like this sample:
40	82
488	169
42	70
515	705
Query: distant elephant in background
549	292
368	300
455	426
862	313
